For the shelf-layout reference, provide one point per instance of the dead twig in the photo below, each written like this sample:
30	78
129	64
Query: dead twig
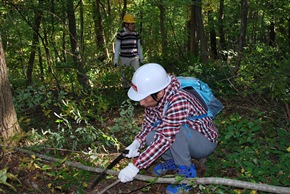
109	187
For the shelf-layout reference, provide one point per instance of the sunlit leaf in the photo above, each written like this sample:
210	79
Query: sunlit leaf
36	166
46	167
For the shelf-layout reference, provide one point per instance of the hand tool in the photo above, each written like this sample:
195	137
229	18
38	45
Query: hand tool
111	165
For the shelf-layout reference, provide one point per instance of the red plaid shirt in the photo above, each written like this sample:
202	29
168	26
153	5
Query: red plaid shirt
181	107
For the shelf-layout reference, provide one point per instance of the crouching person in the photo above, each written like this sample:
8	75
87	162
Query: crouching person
168	130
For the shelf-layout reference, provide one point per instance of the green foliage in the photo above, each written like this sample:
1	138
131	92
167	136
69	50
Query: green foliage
90	106
104	76
265	72
126	124
250	150
75	132
110	79
4	177
213	74
66	176
25	98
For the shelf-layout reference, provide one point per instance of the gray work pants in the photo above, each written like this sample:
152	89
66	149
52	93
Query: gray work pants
127	61
188	144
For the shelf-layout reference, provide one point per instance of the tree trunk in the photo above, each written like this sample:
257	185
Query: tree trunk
254	17
288	30
40	64
221	30
212	32
82	40
193	43
242	38
162	28
262	36
99	32
200	32
8	123
81	74
64	33
272	35
37	20
124	9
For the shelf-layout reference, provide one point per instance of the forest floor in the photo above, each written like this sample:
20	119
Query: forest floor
33	179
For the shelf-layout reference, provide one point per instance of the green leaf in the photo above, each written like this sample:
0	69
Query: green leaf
46	167
3	175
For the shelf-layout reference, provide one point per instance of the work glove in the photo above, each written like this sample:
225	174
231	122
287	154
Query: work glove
128	173
133	149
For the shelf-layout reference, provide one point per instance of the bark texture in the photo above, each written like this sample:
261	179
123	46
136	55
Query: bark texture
8	118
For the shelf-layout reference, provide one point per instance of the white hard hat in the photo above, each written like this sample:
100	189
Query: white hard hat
148	79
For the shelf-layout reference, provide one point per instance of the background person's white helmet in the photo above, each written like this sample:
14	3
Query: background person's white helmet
148	79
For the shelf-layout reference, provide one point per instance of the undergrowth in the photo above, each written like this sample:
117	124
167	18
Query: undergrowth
253	146
251	150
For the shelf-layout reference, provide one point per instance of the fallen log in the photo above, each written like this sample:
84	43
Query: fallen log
202	181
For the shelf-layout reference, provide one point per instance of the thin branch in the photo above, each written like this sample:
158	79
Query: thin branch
203	181
108	187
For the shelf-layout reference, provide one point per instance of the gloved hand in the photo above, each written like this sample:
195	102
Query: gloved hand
128	173
133	149
116	64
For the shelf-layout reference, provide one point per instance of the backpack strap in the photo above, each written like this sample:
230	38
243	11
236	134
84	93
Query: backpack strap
189	118
163	113
197	117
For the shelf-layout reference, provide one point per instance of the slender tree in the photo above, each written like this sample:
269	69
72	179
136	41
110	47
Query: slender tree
79	64
99	31
213	47
221	29
193	43
271	27
162	26
8	123
124	10
243	30
200	31
197	33
37	20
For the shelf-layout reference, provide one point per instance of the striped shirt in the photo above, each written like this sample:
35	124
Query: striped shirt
182	105
129	43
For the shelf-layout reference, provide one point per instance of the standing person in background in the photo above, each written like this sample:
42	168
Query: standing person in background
128	46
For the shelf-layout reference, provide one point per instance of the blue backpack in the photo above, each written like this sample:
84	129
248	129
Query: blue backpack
203	93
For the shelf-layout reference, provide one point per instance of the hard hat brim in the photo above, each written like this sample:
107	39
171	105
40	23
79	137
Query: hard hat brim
133	95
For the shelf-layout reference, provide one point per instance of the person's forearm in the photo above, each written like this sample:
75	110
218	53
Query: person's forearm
140	53
117	50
